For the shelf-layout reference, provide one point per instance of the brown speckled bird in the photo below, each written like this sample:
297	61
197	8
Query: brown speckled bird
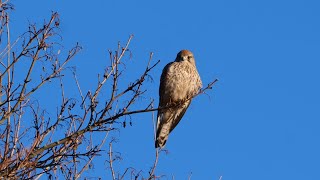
179	82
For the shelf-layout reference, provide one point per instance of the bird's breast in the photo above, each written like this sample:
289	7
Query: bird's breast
182	82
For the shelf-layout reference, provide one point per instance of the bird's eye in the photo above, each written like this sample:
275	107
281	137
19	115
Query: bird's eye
190	57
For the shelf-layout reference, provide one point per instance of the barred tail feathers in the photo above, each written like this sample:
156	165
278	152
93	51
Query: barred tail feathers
163	130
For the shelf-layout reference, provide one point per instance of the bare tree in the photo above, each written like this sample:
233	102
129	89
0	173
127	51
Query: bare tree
34	144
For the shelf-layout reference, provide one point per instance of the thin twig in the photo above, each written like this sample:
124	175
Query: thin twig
151	173
111	161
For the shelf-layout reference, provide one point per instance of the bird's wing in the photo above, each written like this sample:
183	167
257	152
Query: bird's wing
179	112
168	119
164	115
164	99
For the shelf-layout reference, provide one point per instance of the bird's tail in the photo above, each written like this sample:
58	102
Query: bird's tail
163	131
157	144
161	141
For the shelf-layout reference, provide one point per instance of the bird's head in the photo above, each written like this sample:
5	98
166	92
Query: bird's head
185	55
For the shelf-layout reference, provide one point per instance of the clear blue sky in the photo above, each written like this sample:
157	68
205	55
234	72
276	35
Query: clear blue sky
262	119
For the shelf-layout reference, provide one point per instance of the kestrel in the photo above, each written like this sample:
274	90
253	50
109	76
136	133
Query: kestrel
179	82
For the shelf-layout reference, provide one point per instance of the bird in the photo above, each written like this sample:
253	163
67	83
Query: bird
179	83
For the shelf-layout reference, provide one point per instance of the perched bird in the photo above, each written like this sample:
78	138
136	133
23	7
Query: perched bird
179	82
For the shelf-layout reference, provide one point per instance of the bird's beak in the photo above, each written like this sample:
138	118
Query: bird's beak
185	58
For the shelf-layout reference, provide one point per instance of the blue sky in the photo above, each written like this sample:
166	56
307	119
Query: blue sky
262	119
